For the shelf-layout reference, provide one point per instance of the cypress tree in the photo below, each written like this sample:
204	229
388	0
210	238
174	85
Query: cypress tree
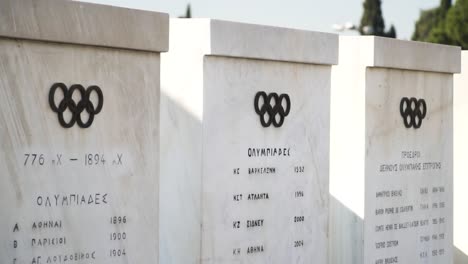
188	12
372	21
372	17
391	32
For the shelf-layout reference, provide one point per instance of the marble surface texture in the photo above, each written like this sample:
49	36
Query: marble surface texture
460	145
231	129
84	195
391	186
419	207
84	23
79	193
217	206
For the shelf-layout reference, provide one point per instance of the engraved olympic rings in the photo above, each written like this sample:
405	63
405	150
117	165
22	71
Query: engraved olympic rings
76	108
413	111
273	106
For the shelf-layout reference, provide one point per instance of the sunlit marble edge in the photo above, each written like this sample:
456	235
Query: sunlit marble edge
460	145
84	23
181	144
347	154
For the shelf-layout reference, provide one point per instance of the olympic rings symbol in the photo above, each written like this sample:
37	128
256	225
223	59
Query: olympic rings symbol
76	108
413	111
272	106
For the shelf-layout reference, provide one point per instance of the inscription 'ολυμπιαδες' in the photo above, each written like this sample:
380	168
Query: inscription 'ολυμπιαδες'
71	200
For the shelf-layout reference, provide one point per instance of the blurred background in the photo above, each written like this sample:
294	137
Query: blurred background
437	21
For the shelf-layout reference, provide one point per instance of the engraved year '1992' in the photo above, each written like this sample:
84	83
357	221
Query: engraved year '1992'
299	169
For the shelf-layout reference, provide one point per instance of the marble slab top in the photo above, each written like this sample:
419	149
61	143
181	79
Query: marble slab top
84	23
402	54
241	40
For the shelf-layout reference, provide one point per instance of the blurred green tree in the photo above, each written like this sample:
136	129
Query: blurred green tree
430	20
456	24
427	21
448	24
372	21
392	32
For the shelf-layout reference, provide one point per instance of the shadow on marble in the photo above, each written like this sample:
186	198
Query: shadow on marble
460	257
179	203
344	221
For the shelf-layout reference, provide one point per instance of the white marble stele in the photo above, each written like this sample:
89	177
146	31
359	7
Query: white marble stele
79	195
391	186
220	200
460	170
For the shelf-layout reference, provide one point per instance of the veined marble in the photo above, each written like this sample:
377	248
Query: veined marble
78	195
390	182
232	190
